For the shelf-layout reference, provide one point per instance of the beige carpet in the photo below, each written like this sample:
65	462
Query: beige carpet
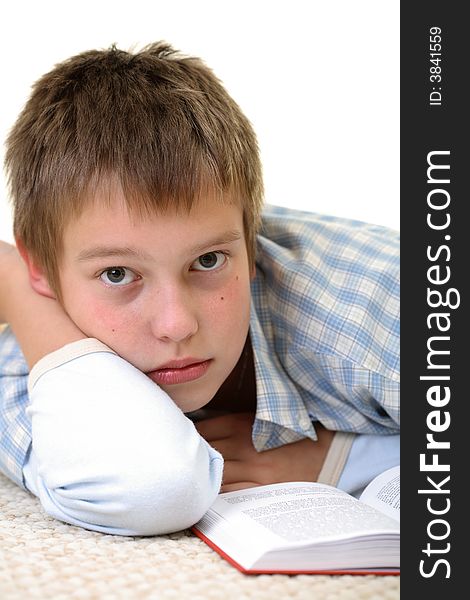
43	558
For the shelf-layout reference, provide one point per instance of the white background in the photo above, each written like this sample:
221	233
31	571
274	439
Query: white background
318	79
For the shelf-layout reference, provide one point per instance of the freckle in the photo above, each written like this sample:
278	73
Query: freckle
236	277
113	330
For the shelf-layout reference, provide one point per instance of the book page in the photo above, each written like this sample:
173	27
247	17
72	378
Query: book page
383	493
302	513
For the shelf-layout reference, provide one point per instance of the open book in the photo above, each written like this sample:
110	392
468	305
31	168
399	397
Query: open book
304	527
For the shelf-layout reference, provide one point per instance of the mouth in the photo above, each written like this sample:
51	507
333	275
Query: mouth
180	371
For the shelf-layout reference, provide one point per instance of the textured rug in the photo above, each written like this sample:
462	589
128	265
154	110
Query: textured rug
43	558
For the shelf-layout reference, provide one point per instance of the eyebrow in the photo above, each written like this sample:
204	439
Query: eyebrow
127	252
110	252
225	238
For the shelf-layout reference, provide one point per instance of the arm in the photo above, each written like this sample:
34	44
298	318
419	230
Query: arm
111	451
244	467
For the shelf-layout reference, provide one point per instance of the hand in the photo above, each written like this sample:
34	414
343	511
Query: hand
6	248
245	467
12	272
39	323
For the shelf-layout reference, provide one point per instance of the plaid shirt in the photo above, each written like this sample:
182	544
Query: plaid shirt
324	331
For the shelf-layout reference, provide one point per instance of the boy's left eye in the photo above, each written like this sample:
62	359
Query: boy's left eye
209	261
118	276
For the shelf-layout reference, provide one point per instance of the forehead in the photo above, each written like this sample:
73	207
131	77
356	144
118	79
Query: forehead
109	191
109	221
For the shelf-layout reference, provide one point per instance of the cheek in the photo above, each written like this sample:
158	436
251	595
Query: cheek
231	305
101	320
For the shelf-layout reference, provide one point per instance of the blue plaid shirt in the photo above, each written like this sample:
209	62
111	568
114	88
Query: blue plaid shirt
324	331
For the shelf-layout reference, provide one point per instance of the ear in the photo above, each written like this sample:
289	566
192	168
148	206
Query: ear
37	276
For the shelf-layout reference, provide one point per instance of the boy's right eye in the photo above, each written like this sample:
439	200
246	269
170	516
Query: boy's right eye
118	276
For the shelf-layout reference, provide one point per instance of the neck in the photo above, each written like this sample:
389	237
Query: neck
238	392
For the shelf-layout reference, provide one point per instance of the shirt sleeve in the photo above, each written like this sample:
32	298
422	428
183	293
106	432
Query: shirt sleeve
354	460
369	456
111	451
15	425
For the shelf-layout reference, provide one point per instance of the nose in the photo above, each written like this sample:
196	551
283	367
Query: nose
174	315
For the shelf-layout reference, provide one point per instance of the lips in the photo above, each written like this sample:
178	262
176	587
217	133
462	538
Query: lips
180	371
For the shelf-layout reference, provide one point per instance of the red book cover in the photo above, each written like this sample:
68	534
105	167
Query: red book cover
229	559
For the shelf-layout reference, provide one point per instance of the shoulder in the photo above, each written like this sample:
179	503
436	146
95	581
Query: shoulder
330	286
327	252
304	234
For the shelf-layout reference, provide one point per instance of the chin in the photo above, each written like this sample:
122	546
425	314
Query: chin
191	406
193	396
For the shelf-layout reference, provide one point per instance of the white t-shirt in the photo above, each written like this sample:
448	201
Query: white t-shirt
111	451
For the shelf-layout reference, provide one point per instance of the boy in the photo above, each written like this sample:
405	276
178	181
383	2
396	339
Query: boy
148	294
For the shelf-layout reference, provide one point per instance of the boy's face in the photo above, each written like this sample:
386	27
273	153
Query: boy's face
169	293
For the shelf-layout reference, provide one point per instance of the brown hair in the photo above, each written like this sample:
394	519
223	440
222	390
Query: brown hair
160	123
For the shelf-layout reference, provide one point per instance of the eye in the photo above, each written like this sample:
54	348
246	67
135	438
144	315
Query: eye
118	276
209	261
